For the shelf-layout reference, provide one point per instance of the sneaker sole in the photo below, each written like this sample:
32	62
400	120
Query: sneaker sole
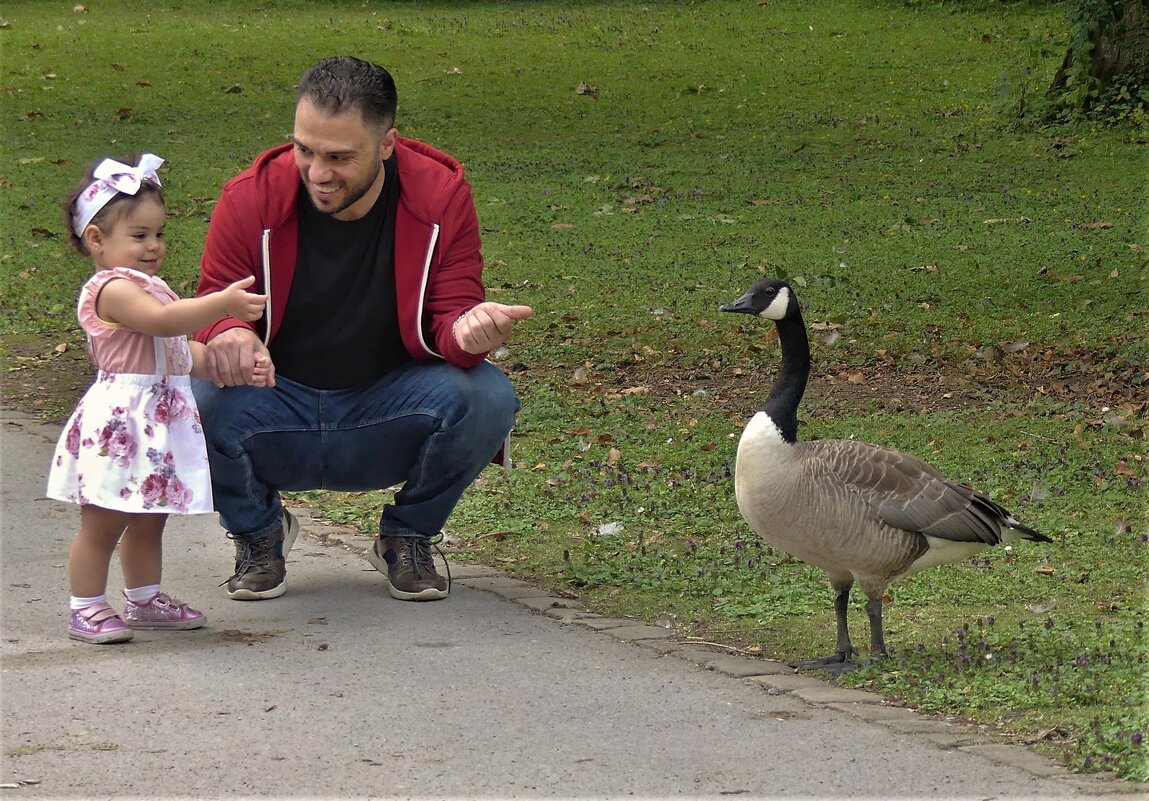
429	594
290	532
258	595
100	639
178	625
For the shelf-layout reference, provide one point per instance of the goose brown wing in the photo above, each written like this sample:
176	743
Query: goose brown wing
906	493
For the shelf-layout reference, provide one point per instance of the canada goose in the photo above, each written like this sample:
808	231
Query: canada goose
860	512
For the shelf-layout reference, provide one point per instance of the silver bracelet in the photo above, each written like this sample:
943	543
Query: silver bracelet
455	327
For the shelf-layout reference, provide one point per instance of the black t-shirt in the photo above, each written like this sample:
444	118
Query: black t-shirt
341	326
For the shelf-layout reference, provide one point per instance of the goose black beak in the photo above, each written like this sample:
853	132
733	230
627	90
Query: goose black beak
742	305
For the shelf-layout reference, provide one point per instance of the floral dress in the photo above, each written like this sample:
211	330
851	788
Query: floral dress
134	442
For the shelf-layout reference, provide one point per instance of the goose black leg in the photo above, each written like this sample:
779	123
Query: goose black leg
877	632
838	662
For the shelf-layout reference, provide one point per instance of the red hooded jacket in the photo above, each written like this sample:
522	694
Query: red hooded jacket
438	265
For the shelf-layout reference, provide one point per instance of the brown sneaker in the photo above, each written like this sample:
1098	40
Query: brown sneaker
410	568
260	569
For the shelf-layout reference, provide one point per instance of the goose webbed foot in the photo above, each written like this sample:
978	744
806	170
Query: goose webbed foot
838	663
835	664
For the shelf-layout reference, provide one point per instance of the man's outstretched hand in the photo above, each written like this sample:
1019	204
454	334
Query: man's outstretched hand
487	326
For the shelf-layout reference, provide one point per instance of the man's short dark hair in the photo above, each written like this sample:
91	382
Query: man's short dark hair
339	84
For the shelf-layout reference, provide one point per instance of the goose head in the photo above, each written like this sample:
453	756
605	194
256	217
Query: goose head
769	298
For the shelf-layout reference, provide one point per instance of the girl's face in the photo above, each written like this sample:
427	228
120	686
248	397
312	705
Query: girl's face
136	239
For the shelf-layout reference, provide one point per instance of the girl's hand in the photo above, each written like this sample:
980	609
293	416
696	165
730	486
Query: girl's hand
263	373
243	305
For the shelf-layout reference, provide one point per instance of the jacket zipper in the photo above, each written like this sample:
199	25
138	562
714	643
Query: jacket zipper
423	289
266	245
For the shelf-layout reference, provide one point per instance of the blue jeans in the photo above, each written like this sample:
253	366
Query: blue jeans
427	425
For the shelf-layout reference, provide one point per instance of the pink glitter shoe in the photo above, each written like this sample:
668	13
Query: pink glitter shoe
98	624
162	612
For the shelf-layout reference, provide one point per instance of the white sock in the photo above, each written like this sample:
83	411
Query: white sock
141	595
83	603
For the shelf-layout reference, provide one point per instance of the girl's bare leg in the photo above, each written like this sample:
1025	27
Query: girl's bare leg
141	557
91	551
142	550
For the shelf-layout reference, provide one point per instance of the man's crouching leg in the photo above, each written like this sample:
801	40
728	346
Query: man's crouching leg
466	416
247	428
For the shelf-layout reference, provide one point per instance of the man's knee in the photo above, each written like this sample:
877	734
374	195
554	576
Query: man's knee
226	414
493	397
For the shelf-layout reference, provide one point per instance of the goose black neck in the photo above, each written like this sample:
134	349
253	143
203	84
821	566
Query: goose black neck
782	404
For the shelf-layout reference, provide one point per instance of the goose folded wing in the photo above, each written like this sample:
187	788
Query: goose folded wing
906	493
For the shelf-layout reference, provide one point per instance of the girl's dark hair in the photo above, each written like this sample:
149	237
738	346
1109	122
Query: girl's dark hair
107	217
339	84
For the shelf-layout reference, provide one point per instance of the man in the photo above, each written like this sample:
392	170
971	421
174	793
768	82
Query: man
368	245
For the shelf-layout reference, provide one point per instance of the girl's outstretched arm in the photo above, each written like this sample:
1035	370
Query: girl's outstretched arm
124	302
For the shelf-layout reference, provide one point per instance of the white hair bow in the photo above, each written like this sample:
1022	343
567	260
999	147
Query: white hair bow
112	178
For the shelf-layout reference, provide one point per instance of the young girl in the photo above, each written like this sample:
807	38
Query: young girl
133	450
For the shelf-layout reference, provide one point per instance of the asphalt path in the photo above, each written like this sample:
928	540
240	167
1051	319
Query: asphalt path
335	690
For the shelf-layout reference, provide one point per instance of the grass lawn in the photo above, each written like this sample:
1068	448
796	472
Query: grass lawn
975	288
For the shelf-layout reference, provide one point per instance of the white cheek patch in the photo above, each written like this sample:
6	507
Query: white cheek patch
778	307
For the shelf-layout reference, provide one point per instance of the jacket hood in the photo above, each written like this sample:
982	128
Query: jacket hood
277	181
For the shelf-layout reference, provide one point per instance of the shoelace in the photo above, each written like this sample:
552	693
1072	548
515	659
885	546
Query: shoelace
255	554
419	554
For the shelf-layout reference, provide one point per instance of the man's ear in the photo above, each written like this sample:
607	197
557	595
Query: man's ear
387	144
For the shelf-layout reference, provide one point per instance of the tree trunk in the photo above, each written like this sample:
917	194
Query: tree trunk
1119	35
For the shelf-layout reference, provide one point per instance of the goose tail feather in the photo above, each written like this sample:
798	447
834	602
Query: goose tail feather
1024	532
